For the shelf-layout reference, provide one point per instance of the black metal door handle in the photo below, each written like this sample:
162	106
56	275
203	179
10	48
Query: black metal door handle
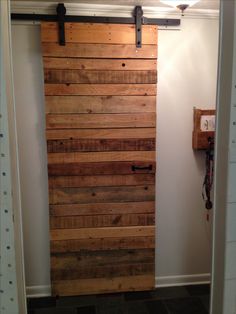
134	168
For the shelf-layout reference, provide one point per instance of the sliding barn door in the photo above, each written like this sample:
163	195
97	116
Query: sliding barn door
100	95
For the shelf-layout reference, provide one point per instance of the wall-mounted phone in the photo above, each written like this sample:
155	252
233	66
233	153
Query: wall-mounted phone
203	127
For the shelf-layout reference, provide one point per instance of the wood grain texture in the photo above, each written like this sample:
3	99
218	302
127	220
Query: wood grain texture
119	51
99	168
101	133
104	180
101	209
200	139
101	258
57	158
99	64
100	104
103	285
102	194
103	121
100	89
100	145
75	222
100	97
103	271
108	232
66	246
99	77
98	33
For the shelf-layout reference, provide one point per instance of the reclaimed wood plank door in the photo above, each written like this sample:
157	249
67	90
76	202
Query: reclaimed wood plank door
100	95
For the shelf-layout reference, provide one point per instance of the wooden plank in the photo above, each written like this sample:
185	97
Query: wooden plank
97	145
120	243
74	50
98	33
75	222
99	64
100	89
103	271
101	133
101	36
101	258
57	158
200	139
102	194
98	168
107	180
102	27
84	121
99	77
100	104
80	264
103	285
101	209
108	232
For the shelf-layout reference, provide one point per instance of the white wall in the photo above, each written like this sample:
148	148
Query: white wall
224	258
187	78
29	94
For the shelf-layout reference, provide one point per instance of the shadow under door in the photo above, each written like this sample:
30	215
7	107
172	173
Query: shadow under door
100	95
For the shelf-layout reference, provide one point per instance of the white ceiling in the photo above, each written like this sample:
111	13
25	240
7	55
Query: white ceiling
202	4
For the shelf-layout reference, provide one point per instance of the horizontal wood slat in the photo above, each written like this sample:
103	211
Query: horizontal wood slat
120	243
105	180
75	222
99	168
100	104
100	89
103	285
99	33
100	145
73	121
94	233
102	194
101	258
102	27
99	64
99	77
54	158
101	133
101	209
119	51
103	271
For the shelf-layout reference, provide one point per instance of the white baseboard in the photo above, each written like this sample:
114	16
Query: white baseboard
38	291
167	281
170	281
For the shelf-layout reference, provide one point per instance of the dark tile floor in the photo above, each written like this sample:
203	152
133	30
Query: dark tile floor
173	300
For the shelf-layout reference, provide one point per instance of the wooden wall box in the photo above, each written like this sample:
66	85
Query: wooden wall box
200	137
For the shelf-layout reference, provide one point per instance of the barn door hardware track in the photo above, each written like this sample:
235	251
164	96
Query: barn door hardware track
138	13
61	13
138	19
